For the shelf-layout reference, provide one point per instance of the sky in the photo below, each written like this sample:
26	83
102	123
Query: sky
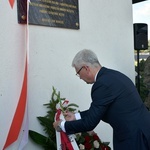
141	14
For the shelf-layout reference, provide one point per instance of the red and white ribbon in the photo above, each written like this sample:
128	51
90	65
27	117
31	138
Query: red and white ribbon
64	141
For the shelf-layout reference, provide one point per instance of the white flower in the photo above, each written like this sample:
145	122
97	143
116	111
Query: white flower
57	106
78	134
96	144
81	146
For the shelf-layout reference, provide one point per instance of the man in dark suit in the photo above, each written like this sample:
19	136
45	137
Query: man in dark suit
115	100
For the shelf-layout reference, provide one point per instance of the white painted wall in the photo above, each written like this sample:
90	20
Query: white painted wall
105	28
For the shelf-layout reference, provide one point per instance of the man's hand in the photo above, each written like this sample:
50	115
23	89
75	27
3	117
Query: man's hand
56	125
69	116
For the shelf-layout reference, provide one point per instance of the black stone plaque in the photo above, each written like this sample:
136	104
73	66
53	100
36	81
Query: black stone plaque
54	13
22	11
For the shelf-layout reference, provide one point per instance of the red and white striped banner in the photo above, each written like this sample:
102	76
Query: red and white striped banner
11	3
20	115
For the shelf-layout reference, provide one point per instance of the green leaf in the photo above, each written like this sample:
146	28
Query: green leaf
42	140
38	138
72	104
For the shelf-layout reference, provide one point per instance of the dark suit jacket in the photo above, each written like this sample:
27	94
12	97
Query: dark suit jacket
116	101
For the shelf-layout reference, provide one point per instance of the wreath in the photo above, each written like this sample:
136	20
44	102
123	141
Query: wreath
85	140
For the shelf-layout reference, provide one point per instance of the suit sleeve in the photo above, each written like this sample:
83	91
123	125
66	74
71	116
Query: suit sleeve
101	98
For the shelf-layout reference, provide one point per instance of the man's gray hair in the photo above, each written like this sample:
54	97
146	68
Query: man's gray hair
85	57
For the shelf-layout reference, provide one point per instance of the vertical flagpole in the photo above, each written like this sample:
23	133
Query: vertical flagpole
25	125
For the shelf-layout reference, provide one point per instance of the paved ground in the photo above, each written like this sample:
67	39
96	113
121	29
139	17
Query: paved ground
142	56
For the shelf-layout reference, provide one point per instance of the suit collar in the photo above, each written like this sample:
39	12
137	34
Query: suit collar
101	71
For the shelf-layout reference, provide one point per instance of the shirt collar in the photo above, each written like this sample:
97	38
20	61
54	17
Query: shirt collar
96	76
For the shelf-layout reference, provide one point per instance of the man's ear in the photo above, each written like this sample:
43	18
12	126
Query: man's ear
88	69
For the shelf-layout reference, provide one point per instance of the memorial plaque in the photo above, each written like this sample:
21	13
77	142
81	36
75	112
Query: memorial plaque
54	13
22	11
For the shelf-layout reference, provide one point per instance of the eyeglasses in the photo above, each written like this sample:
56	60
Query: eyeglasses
79	71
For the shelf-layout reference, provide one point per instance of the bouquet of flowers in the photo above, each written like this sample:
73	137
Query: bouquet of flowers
91	141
